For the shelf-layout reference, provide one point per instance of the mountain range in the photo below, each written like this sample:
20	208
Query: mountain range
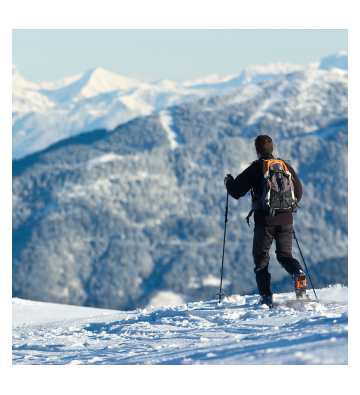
115	218
48	112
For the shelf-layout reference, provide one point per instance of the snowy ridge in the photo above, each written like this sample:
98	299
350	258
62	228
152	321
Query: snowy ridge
92	83
263	109
238	331
208	80
304	83
53	85
338	60
99	99
278	68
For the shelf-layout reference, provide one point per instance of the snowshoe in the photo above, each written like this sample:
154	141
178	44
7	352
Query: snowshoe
268	300
299	283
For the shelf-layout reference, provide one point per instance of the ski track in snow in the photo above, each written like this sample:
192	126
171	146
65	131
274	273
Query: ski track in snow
236	332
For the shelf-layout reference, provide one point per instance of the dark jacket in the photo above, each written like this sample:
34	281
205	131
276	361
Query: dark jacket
251	178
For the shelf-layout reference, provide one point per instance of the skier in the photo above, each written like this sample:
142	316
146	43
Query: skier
269	225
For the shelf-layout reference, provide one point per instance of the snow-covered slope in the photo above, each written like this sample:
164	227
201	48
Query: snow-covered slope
99	99
30	312
238	331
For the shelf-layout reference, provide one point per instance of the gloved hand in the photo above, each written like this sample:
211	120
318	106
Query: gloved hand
227	178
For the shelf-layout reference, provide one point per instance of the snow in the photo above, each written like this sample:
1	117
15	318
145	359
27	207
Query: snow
47	112
261	112
110	157
338	60
271	68
209	79
30	312
167	123
266	106
92	83
52	85
305	83
211	280
19	81
166	298
238	331
248	93
103	81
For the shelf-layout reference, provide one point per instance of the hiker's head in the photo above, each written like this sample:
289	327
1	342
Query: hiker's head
263	145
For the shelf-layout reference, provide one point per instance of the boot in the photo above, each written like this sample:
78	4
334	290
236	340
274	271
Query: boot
299	283
268	300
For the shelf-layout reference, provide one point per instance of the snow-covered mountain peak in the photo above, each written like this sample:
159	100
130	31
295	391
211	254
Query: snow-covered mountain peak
165	83
19	82
341	53
338	60
47	112
53	85
92	83
277	68
207	80
100	81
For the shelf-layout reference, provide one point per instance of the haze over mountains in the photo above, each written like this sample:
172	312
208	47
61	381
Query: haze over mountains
99	99
117	219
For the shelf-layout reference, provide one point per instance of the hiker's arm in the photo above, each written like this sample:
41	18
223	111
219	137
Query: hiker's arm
240	186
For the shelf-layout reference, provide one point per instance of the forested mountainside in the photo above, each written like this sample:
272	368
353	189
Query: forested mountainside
110	219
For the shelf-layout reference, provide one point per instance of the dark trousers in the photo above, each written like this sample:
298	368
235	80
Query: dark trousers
263	237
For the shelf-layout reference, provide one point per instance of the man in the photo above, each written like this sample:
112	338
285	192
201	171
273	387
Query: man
267	228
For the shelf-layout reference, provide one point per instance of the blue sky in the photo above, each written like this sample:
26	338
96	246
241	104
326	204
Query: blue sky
149	55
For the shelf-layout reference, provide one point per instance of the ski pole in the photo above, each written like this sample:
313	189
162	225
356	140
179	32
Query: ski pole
304	262
222	265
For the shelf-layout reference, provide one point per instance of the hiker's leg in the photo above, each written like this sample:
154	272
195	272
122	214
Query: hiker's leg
283	238
263	237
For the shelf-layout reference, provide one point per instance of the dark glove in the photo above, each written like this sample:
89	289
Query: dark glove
227	178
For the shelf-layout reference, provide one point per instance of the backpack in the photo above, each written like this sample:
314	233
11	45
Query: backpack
277	189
